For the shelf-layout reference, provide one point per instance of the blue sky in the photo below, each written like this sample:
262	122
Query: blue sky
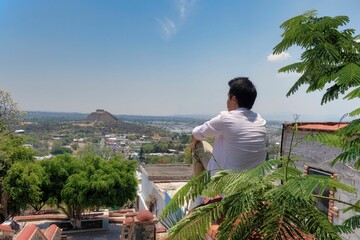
160	57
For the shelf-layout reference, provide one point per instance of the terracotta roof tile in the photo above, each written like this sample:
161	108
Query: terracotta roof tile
319	126
5	228
27	232
51	231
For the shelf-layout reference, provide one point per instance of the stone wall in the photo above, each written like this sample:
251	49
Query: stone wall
316	155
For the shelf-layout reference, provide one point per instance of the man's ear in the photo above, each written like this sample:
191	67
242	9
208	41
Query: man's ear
234	100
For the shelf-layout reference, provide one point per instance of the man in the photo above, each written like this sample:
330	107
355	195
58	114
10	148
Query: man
240	133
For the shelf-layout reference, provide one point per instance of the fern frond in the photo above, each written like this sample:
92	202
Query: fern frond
343	229
289	35
243	201
238	183
238	227
298	19
318	225
326	182
355	112
350	155
297	67
351	129
340	21
217	183
352	222
172	219
346	77
353	94
349	74
333	93
230	181
301	81
195	225
242	215
319	82
188	192
284	216
325	138
281	224
279	173
303	187
282	220
264	168
355	207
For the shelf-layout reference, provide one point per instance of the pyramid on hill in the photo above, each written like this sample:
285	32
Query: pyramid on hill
101	116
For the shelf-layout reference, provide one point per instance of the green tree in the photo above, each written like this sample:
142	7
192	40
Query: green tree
58	143
32	139
187	155
148	148
91	182
104	152
58	170
11	151
9	111
60	150
89	149
23	183
41	151
161	147
75	146
331	57
253	204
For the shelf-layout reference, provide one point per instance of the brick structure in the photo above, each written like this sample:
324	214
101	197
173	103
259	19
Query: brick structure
136	226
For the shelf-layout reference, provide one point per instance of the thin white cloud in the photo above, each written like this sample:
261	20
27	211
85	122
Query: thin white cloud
184	6
278	57
168	27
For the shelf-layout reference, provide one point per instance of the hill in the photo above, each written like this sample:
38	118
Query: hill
101	116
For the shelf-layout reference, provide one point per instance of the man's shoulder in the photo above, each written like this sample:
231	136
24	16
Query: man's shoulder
247	115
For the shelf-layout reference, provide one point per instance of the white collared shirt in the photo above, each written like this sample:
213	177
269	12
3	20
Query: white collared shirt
240	139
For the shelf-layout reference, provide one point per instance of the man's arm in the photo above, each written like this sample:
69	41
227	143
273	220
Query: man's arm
210	128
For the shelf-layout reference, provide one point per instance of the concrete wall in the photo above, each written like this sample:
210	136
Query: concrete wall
148	191
317	155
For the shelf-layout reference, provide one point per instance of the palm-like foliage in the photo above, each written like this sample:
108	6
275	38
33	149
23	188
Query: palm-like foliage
330	57
255	202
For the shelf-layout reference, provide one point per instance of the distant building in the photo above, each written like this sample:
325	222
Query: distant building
19	131
314	158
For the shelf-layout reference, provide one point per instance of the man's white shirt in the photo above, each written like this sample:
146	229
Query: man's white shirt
240	139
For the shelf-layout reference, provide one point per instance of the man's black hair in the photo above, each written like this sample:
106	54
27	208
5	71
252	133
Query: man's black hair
244	91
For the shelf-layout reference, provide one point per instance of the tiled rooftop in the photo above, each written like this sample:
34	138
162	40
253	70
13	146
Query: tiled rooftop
319	126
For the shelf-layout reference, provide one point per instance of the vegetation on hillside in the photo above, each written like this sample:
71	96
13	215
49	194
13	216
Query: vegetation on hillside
70	184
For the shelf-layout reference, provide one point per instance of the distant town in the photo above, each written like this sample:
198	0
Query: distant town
150	139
